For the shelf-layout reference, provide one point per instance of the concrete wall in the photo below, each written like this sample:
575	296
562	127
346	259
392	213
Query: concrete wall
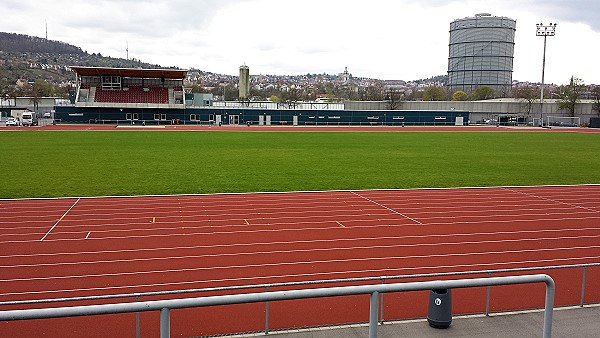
482	110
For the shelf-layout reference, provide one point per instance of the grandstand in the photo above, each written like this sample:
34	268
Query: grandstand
129	87
157	96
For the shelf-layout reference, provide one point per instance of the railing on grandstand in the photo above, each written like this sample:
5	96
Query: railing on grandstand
268	287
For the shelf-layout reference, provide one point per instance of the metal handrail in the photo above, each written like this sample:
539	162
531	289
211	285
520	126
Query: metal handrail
164	306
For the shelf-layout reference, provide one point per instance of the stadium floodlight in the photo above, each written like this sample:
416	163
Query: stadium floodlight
545	31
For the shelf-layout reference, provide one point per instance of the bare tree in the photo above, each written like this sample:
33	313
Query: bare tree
38	90
395	98
290	97
569	95
374	92
527	96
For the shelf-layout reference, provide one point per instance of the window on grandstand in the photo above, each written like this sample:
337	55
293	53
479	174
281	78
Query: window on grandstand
440	117
111	82
156	117
91	81
194	117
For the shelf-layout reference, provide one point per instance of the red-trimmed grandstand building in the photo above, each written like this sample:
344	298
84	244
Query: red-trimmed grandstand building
159	88
125	94
157	96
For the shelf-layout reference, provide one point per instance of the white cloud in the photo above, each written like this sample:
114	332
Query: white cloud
401	39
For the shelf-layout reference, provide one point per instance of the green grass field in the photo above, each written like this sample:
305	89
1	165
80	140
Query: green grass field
100	163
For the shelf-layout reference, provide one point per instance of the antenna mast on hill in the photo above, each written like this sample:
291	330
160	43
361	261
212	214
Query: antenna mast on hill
127	49
46	29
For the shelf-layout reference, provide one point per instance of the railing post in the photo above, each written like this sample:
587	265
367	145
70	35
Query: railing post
582	286
165	323
137	320
548	307
487	298
381	318
267	314
373	314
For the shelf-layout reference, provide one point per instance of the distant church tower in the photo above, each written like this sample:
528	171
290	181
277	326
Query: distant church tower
244	82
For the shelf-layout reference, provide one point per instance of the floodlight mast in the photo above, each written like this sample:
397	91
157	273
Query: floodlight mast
545	31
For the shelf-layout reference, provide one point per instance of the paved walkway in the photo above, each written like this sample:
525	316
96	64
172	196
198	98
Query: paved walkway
567	322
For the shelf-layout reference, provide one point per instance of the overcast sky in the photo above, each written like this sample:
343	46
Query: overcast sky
384	39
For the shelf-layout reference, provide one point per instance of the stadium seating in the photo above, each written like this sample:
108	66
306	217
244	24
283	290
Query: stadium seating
133	94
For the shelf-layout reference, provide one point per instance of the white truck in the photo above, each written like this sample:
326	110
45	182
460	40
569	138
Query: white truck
28	119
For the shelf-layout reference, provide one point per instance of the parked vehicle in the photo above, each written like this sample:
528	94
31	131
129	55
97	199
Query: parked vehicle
47	115
12	122
29	119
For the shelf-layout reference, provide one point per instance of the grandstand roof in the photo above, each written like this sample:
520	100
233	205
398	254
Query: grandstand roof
130	72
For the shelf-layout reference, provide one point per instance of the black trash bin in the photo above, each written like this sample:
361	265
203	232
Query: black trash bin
439	314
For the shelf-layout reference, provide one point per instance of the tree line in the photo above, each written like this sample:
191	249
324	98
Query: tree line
19	43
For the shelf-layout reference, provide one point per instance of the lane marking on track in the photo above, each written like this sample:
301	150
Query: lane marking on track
341	240
553	201
153	219
300	263
142	235
330	249
245	279
60	219
246	221
88	235
383	206
341	225
180	210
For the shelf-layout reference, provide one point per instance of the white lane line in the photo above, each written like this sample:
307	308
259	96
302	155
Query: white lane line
553	201
252	266
195	233
60	219
88	235
333	240
338	249
325	274
383	206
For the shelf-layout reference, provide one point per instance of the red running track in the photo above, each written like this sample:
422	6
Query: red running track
71	247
